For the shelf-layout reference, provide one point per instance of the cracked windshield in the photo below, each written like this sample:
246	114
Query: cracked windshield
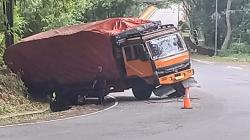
124	69
165	46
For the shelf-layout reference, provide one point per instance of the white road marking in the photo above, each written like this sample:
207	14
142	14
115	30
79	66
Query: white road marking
244	65
24	124
233	67
202	61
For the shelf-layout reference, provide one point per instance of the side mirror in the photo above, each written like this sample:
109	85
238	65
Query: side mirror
144	56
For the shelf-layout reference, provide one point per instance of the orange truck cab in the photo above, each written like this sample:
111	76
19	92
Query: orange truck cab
156	59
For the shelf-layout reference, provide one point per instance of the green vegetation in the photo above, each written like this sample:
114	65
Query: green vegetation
236	59
233	24
41	15
12	95
34	16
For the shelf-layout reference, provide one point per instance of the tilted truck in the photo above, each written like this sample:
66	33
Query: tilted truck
133	53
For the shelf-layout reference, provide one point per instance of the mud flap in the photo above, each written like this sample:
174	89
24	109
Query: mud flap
191	82
164	91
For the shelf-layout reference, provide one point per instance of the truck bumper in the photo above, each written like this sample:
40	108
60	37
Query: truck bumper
165	90
176	77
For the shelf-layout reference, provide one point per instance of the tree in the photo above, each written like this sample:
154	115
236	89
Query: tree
228	37
42	15
1	25
102	9
34	16
233	24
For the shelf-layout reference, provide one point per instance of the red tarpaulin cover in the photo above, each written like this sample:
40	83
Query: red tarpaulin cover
70	54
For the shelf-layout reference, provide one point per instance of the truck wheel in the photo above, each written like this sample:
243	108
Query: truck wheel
142	91
180	91
59	103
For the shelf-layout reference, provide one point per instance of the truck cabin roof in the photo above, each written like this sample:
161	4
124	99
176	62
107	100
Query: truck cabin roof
144	33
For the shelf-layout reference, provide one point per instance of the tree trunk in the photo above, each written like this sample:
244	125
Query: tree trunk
228	38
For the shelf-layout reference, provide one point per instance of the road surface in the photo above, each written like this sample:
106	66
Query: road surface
221	110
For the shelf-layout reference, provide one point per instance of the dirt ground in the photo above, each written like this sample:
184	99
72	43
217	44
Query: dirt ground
90	107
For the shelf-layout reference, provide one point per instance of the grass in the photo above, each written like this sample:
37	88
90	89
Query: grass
12	95
48	115
233	58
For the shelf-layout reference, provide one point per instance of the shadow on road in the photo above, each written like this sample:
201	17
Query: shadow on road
151	100
124	99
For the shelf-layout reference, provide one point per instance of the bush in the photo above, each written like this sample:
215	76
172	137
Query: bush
10	82
236	49
12	91
240	48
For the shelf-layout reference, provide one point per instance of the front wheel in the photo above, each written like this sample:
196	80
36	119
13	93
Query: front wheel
142	91
59	102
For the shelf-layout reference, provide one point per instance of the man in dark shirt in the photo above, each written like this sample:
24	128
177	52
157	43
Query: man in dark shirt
100	85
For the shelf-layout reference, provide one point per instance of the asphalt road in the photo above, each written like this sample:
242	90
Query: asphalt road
221	110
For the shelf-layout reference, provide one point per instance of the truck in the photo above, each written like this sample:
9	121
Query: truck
132	53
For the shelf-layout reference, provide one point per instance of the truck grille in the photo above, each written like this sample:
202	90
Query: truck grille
173	69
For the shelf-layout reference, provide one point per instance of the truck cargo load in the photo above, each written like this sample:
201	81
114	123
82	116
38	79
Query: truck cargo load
69	55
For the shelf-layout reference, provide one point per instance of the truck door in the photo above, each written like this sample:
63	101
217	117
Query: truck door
137	62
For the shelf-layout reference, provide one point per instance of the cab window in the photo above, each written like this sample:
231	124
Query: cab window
134	52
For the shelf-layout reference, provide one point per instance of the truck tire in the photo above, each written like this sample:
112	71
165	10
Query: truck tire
180	91
142	91
59	103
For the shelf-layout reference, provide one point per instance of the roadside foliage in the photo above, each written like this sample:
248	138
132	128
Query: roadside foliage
234	15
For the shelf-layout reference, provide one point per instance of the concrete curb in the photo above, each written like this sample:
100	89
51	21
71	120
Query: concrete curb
25	113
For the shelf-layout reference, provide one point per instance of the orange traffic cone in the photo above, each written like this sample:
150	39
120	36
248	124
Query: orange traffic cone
187	101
